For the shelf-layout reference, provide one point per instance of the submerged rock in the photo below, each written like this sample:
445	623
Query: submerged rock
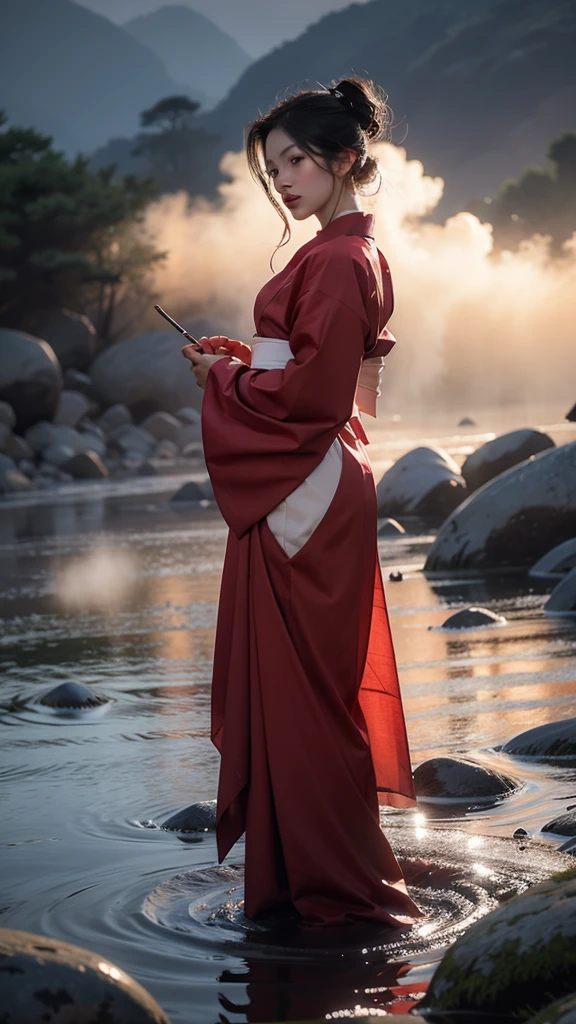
46	979
424	482
514	959
502	453
459	779
188	492
563	825
200	817
557	562
562	600
390	528
30	377
72	695
472	618
555	739
513	520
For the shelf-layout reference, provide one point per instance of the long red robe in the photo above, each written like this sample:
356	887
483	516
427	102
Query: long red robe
306	706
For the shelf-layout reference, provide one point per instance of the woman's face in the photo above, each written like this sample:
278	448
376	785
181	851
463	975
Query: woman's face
291	171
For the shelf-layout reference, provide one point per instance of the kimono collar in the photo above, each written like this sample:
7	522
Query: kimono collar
351	224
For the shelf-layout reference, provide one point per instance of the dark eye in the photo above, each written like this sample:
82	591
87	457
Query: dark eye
271	172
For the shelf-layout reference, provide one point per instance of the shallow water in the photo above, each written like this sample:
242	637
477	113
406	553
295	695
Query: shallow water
106	584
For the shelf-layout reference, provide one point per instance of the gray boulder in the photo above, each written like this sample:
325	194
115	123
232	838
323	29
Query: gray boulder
85	466
147	373
188	433
187	493
12	480
553	740
162	426
93	442
502	453
390	528
562	600
116	416
460	780
473	618
30	377
200	817
71	335
44	434
557	562
563	825
72	406
7	422
71	695
57	454
7	416
45	979
514	959
513	520
424	482
131	439
188	415
17	448
165	450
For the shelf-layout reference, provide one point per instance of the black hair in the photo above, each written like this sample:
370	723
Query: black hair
324	123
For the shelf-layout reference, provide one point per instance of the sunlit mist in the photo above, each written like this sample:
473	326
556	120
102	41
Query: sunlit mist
473	329
102	580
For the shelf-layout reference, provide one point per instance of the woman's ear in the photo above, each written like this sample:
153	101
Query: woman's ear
344	162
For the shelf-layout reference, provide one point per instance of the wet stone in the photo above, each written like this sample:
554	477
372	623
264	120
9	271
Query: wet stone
562	600
200	817
563	825
516	958
188	492
390	528
471	618
45	979
72	695
460	779
553	740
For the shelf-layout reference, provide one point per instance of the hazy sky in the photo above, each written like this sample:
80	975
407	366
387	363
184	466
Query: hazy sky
257	25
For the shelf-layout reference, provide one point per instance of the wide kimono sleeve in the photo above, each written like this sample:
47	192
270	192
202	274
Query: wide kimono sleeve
265	431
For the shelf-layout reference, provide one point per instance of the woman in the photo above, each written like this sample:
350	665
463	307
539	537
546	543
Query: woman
306	706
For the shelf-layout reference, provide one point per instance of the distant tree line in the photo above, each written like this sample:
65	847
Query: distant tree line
73	234
173	151
539	201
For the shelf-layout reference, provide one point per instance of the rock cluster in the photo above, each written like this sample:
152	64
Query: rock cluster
136	405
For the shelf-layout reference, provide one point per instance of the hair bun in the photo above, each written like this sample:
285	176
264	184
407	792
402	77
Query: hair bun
362	106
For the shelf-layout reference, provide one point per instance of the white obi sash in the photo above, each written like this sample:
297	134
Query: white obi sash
294	520
274	353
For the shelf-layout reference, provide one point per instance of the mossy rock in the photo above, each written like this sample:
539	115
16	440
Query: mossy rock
515	960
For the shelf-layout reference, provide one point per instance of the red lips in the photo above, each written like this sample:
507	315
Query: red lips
288	199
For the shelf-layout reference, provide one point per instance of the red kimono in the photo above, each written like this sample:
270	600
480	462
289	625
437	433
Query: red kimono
306	706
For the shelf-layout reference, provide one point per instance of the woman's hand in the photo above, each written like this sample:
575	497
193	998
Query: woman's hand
200	363
228	346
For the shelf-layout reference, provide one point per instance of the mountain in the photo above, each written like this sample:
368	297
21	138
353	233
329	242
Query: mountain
191	46
74	75
478	88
